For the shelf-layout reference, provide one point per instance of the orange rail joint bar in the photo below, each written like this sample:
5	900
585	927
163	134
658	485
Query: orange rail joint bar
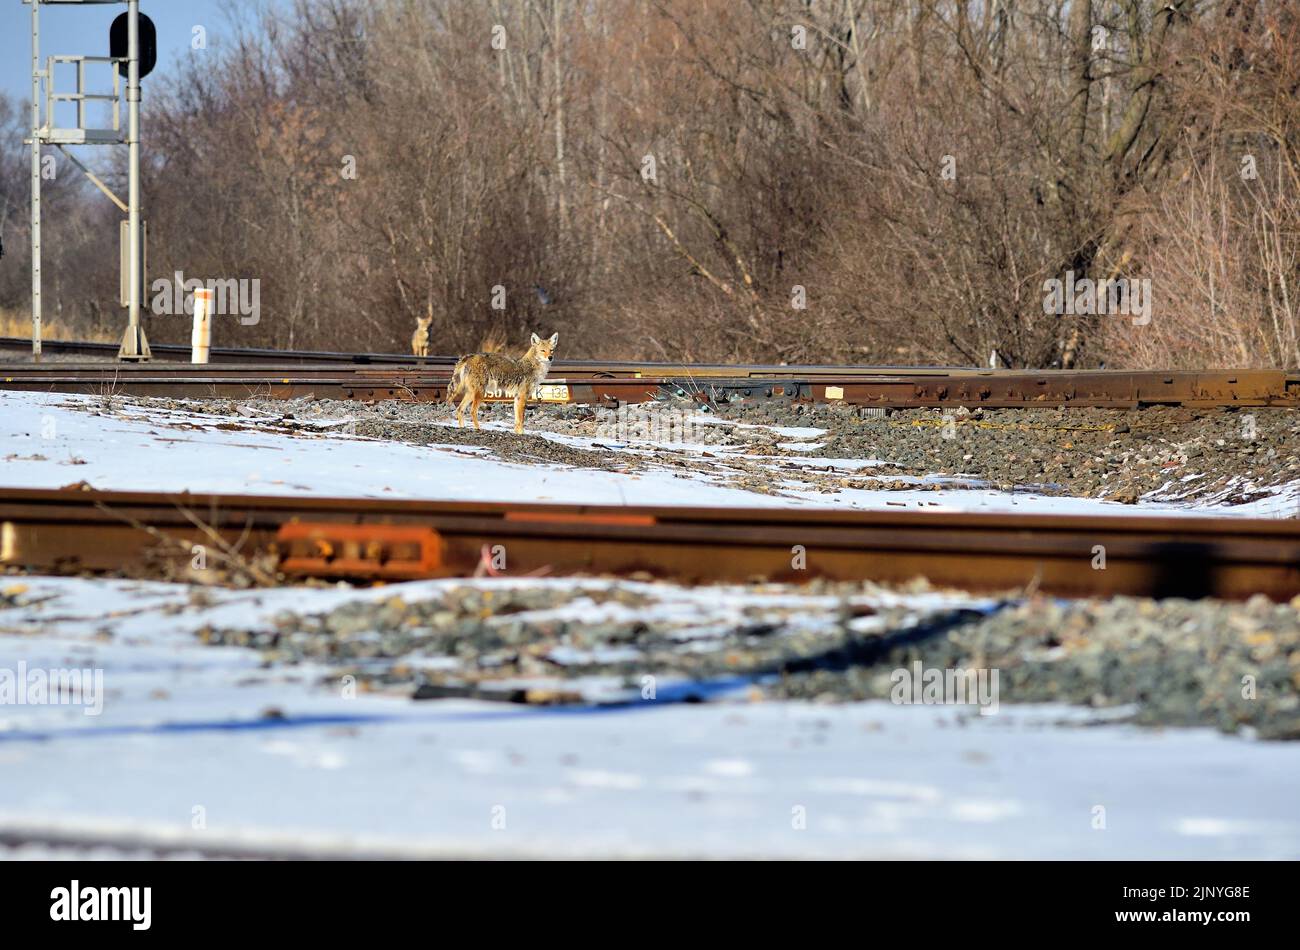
380	551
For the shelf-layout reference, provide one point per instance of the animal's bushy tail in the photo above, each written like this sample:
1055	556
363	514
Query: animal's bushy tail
457	383
494	342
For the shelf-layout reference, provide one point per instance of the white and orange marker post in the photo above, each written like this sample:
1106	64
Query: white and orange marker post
201	338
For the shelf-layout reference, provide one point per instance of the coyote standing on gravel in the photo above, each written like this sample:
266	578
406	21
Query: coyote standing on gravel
474	376
420	338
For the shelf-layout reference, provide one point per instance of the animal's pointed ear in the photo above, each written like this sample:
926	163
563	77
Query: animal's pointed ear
555	338
536	339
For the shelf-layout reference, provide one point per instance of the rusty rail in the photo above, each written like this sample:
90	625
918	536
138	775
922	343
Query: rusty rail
611	385
367	539
166	354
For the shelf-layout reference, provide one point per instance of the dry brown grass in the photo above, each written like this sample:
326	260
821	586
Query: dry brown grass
13	323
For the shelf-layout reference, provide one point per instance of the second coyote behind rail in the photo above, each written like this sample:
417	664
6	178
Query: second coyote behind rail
474	377
420	338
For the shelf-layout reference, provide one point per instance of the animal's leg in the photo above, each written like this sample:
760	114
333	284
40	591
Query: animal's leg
460	409
473	409
519	411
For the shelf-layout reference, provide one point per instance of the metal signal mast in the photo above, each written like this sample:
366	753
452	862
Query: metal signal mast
133	53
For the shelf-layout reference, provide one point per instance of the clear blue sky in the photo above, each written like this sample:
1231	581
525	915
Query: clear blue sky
82	29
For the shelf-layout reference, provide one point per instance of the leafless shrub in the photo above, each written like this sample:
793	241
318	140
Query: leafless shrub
780	180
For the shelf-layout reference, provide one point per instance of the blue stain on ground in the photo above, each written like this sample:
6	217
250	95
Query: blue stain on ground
165	728
669	695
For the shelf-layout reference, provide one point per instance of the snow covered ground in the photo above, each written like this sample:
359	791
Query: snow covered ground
205	746
210	746
52	440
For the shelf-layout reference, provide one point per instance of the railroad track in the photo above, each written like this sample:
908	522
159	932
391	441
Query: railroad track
615	384
177	353
290	538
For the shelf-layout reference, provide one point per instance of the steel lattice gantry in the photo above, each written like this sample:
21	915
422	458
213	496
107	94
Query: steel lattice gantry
46	131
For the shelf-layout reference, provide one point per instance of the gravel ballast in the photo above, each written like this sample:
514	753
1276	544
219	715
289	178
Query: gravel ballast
1231	666
1218	456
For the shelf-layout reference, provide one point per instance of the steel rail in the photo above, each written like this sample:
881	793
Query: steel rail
174	352
379	539
602	385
